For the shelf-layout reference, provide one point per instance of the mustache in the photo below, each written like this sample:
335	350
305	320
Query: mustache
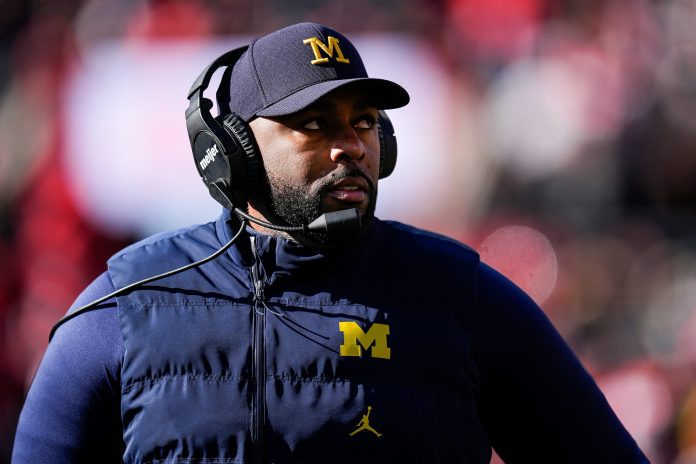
336	177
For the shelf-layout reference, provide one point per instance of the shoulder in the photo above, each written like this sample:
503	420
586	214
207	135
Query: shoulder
163	252
426	244
73	403
203	234
95	335
496	289
427	263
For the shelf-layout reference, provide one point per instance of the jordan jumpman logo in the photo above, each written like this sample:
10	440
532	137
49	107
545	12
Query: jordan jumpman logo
364	424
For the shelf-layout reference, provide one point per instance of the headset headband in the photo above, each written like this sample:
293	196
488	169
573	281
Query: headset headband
195	94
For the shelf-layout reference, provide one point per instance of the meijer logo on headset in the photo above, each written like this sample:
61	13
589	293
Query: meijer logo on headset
210	154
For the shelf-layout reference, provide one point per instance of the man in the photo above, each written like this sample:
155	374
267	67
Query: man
276	349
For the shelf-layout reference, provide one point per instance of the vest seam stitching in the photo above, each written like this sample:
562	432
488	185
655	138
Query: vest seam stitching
148	305
152	381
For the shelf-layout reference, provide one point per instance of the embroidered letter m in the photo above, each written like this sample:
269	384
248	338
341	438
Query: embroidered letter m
354	338
318	46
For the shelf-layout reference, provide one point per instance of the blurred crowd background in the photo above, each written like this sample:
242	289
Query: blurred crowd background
557	137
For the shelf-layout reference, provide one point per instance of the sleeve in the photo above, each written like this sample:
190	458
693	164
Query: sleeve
537	402
72	410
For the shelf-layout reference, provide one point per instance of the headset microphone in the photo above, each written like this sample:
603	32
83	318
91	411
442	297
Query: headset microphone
328	223
347	220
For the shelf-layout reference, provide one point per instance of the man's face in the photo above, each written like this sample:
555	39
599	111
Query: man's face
321	159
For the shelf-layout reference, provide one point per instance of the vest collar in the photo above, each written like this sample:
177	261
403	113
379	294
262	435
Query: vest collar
280	256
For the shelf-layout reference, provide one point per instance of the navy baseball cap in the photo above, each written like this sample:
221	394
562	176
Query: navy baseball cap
289	69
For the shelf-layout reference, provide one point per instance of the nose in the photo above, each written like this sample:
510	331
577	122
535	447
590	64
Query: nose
347	146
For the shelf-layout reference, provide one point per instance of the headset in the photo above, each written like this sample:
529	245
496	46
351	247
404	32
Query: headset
229	163
224	149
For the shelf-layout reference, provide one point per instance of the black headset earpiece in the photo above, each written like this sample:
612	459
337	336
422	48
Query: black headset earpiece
224	148
387	145
242	134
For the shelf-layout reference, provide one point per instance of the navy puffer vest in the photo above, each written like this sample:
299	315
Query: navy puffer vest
276	353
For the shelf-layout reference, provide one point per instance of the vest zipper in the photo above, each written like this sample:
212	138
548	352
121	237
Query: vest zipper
258	417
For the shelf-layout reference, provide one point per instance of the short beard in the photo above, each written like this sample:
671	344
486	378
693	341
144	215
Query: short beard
297	205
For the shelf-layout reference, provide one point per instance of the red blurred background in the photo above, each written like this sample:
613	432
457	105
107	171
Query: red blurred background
556	137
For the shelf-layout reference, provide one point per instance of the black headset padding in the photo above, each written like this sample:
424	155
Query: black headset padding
240	130
387	145
231	174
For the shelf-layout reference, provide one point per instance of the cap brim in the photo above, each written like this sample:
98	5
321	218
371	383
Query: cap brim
383	94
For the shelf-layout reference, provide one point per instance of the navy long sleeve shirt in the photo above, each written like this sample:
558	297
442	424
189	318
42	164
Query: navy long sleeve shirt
527	374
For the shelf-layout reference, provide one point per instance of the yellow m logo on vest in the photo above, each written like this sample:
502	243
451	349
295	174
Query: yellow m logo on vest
318	46
376	337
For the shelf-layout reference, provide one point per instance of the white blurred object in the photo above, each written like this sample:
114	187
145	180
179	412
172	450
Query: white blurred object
127	150
128	154
542	111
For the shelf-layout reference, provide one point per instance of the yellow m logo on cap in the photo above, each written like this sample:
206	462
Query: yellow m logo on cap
376	337
318	46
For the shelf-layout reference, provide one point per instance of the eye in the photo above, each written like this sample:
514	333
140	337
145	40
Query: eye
313	124
366	122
